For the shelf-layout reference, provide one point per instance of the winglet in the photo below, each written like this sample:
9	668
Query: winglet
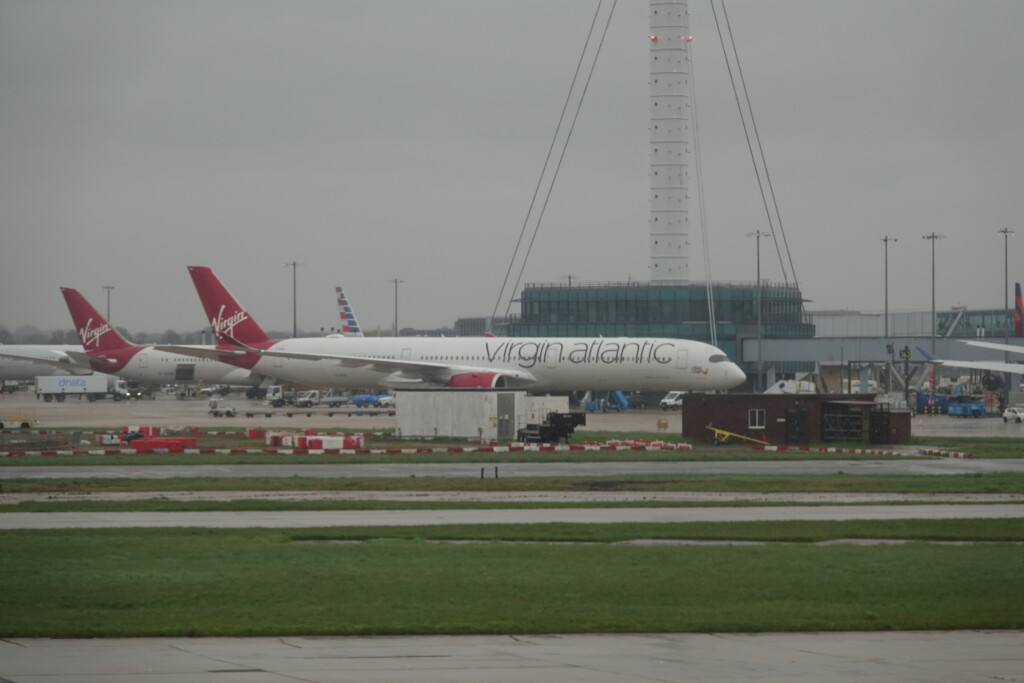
929	357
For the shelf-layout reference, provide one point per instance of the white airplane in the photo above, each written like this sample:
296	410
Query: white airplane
28	361
548	364
105	350
990	365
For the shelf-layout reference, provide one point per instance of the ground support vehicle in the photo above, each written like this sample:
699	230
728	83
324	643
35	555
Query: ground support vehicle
334	399
59	387
125	389
307	399
721	436
672	400
965	407
374	400
558	426
16	418
218	408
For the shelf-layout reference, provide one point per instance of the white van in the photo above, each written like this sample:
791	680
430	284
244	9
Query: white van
672	401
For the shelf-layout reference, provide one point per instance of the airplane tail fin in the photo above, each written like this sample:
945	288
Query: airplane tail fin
96	334
349	325
1018	313
232	324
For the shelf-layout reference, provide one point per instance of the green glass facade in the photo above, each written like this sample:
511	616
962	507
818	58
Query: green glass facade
997	323
641	309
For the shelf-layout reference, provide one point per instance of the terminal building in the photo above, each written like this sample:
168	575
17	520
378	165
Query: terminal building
663	309
792	342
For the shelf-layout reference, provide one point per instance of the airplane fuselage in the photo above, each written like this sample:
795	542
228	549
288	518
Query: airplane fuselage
538	364
146	364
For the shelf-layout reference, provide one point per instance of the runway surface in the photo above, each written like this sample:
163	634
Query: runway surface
473	469
878	657
359	518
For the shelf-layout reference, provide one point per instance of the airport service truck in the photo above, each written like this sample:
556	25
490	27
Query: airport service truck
307	399
58	387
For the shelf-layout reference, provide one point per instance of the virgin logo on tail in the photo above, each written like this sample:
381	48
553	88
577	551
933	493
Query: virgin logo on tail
91	336
226	326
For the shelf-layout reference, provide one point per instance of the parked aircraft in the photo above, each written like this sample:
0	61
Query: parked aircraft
980	365
545	364
105	350
28	361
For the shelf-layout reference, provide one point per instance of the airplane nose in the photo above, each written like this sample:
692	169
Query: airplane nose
734	376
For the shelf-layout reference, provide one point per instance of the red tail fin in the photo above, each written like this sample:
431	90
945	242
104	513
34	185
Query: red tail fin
231	323
1018	314
95	333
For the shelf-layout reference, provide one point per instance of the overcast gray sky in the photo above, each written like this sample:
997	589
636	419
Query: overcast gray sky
371	141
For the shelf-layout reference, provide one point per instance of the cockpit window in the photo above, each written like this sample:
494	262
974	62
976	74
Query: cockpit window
717	358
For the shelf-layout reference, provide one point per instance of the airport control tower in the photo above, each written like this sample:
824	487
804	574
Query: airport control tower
670	304
671	137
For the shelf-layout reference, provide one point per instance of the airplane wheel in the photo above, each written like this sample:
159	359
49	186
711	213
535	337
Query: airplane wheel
716	441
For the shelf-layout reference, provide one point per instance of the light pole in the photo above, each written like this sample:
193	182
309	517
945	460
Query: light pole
396	281
108	288
757	235
886	240
933	237
294	265
1006	233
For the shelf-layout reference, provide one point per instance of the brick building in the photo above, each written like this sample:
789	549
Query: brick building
795	419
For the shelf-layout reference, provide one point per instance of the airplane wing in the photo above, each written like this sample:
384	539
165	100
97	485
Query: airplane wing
86	359
409	369
201	352
994	346
65	360
984	365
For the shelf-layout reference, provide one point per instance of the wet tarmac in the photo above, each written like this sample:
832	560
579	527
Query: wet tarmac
842	657
165	411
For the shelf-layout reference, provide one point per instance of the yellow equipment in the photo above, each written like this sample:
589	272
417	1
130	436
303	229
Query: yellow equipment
722	436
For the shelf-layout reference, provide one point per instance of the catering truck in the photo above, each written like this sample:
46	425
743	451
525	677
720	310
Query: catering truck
58	387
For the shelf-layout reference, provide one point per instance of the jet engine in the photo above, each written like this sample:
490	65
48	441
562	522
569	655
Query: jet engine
991	381
477	380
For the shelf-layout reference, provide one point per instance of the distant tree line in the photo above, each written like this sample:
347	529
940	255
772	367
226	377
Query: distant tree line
29	334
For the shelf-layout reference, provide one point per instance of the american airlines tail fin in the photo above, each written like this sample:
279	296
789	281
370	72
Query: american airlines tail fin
232	325
1018	314
349	325
95	333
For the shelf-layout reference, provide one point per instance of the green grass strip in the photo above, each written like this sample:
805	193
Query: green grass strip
839	483
201	582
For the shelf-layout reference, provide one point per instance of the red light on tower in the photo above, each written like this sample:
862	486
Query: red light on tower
654	37
687	38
